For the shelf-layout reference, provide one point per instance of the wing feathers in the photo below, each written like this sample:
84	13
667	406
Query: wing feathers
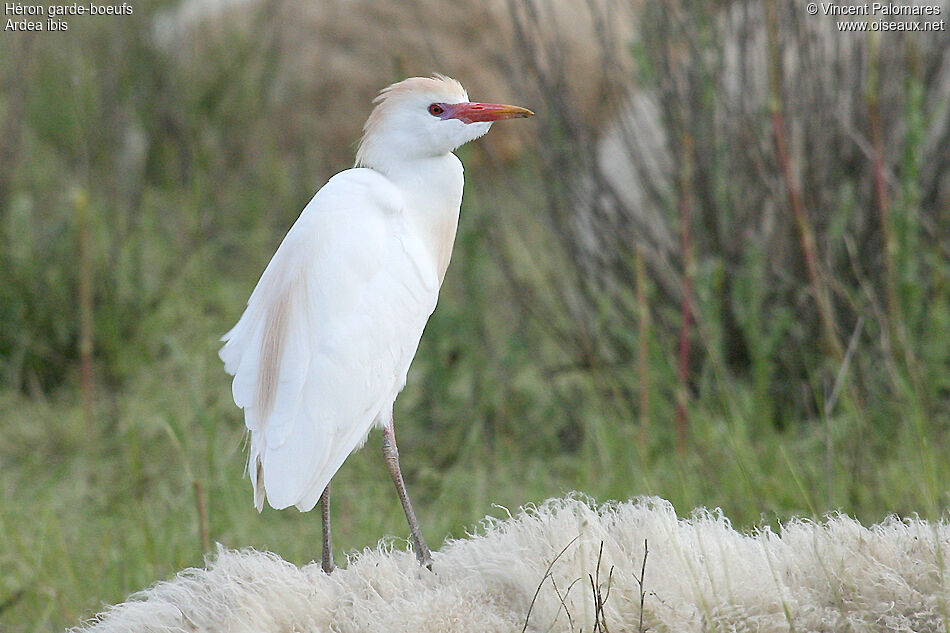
324	345
275	331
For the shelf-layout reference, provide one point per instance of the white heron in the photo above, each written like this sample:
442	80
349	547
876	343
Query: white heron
324	346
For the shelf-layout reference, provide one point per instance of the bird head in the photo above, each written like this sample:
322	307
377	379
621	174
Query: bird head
423	117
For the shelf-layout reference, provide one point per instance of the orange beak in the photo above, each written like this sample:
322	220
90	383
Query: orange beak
482	112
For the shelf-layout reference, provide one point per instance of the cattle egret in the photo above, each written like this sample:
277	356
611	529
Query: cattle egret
324	346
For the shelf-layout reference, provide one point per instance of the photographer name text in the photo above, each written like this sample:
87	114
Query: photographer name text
876	9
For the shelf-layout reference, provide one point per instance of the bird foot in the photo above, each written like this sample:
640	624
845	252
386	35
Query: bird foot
423	555
425	561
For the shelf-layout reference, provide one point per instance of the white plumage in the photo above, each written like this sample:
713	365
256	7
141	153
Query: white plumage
326	341
329	332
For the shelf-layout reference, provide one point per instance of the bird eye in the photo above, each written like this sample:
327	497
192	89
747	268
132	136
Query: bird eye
436	110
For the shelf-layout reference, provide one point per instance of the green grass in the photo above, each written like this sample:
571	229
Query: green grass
92	512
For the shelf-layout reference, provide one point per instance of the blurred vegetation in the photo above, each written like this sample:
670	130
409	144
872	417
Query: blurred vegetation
141	198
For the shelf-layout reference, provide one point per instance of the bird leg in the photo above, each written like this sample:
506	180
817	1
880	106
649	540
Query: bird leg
391	454
327	544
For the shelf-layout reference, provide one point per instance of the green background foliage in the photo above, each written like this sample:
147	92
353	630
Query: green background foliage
163	189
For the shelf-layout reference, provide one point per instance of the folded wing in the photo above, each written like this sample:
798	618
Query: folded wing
325	343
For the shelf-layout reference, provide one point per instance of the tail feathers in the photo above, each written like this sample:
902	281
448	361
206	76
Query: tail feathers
257	479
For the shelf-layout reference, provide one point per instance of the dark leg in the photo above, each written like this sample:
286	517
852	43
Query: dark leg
391	454
327	541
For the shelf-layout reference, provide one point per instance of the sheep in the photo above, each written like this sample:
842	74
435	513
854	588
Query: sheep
571	565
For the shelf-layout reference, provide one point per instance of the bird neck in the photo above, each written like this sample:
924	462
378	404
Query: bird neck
432	188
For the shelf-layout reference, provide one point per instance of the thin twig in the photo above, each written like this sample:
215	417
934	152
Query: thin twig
600	598
833	400
806	232
843	371
686	306
643	350
547	572
563	599
643	570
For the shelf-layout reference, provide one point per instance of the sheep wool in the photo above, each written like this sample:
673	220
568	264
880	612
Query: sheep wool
572	565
